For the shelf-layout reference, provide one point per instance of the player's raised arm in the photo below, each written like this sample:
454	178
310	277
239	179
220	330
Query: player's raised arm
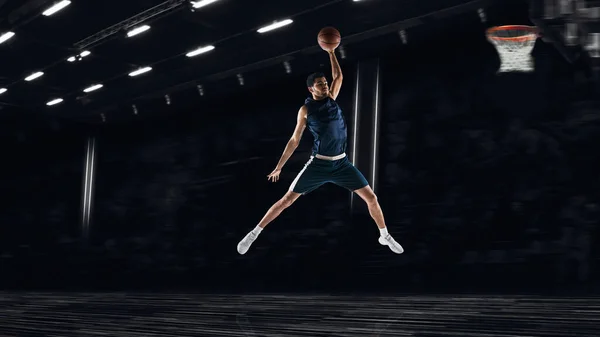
336	72
292	143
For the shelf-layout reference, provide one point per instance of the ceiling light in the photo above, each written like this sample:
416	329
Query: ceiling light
93	88
275	26
137	30
202	3
54	101
80	56
3	90
56	7
34	76
403	36
6	36
343	52
200	51
140	71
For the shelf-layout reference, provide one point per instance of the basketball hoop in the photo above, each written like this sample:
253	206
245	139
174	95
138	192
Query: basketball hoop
514	44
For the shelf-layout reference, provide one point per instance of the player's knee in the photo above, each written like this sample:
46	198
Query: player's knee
371	199
286	201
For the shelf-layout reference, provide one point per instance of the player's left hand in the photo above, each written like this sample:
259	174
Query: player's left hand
274	176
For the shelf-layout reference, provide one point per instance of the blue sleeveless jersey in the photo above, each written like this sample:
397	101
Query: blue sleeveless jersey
326	122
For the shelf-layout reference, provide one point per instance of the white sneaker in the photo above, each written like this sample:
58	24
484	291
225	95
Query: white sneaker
246	242
389	241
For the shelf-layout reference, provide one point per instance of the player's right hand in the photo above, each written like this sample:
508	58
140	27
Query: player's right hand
274	176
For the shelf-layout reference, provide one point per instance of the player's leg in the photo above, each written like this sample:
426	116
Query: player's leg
366	193
309	179
349	177
286	201
273	212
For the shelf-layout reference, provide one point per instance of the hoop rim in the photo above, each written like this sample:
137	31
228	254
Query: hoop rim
532	33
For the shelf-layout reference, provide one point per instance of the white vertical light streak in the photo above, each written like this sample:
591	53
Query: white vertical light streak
84	199
88	186
355	117
376	126
355	122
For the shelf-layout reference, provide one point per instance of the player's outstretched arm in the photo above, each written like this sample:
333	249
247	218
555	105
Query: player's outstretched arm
336	73
292	144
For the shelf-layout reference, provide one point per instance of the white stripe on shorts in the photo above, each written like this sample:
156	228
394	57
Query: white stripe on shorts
300	174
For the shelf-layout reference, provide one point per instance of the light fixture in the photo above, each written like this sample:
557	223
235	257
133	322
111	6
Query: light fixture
482	15
80	56
403	36
3	90
240	78
288	67
137	30
199	51
200	89
140	71
593	45
34	76
202	3
275	25
54	101
58	6
93	88
135	110
6	36
342	52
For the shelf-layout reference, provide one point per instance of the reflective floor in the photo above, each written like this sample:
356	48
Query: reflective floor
128	314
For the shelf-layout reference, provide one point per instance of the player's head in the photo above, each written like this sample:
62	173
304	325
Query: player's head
317	85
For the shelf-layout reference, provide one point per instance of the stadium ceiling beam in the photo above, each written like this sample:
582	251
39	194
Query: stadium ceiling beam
169	6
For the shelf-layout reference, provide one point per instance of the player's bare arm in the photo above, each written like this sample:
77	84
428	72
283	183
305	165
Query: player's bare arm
292	144
336	72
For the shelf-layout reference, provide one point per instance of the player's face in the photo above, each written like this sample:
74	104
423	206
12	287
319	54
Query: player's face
320	88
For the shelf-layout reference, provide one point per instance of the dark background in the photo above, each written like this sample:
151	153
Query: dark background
489	181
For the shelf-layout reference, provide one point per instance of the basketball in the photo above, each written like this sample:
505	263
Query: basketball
329	38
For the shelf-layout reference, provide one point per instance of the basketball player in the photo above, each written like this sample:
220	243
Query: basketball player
328	162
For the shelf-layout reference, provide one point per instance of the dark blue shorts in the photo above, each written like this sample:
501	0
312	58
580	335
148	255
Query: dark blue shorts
317	172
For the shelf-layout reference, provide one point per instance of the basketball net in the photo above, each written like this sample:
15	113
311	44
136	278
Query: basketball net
514	45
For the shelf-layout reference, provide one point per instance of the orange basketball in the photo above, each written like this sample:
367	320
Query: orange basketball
329	38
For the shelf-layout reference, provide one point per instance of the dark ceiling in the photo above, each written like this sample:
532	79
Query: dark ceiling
44	43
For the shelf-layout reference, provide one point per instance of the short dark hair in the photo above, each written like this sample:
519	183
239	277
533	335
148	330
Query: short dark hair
310	80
